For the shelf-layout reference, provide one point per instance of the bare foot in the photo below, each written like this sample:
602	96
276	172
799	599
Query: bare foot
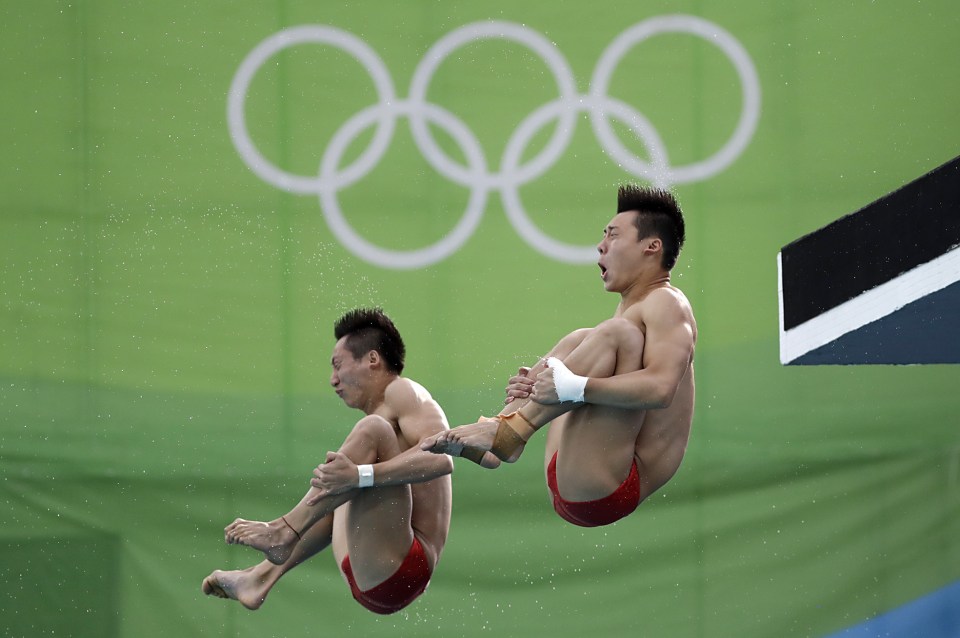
243	586
275	539
478	436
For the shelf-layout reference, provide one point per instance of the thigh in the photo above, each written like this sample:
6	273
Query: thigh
374	527
374	530
596	451
554	436
555	428
596	445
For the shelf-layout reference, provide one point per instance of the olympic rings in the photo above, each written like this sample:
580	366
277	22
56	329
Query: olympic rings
475	174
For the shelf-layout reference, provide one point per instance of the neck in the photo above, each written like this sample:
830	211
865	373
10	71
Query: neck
642	287
378	389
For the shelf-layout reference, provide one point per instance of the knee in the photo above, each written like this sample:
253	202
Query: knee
572	340
372	439
373	427
619	331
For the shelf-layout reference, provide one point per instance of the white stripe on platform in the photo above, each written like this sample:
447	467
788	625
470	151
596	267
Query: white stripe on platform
867	307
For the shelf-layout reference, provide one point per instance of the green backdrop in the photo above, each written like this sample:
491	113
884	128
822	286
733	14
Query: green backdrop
166	312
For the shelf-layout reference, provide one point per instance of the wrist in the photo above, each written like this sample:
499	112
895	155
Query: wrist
365	476
569	386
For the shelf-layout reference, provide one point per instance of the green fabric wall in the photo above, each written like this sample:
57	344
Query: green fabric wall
165	315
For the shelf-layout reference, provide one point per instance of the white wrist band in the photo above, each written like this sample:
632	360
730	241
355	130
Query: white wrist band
569	386
366	475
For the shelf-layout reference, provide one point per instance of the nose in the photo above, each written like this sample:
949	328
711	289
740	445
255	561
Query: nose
334	379
602	245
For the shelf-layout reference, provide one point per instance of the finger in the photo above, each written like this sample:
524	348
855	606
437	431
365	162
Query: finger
508	400
440	444
546	373
331	456
316	498
523	371
232	526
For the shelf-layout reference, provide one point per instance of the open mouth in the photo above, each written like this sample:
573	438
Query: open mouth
603	271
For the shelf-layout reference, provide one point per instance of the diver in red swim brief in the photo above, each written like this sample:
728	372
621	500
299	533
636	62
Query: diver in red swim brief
623	389
602	511
375	494
402	588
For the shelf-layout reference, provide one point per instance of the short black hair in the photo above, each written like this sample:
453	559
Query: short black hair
369	329
659	216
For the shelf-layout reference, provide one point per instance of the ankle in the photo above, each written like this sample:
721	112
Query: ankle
286	529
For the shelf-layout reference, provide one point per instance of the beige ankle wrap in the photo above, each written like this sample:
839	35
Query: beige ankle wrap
512	433
472	454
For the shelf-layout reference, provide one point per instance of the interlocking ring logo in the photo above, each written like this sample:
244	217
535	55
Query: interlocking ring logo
475	174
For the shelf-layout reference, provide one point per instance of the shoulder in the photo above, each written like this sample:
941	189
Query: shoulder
670	301
669	294
402	386
412	408
663	301
664	308
403	394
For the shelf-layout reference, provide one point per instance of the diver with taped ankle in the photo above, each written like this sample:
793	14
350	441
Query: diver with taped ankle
618	397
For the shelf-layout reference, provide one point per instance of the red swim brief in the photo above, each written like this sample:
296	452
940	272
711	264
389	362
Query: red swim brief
398	591
602	511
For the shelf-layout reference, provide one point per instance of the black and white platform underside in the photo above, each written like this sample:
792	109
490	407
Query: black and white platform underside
879	286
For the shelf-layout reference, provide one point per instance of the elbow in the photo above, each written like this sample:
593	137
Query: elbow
445	464
662	397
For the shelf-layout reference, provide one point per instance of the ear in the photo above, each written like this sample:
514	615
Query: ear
373	358
655	245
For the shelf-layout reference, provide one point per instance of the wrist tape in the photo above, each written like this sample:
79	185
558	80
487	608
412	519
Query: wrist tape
366	475
569	386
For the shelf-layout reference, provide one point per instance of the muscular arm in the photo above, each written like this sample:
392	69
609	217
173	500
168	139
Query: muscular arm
412	466
418	417
667	355
668	351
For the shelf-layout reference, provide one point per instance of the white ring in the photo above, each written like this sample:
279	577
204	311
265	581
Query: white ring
316	34
397	258
475	174
710	33
476	32
511	198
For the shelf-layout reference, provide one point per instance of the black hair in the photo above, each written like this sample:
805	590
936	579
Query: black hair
369	329
659	216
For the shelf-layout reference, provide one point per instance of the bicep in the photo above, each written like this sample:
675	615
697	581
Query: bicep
668	349
421	422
